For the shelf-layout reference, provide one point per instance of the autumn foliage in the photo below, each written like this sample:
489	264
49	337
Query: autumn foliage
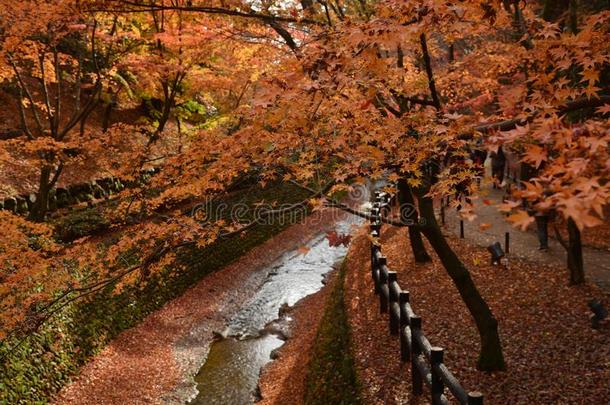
321	94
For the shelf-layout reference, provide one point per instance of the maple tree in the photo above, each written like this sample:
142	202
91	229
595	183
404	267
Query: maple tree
56	60
323	94
566	143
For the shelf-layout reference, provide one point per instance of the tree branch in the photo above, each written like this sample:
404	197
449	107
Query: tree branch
574	105
333	203
428	65
56	175
139	7
27	93
283	32
22	116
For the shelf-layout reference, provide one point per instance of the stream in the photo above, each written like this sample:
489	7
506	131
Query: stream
231	371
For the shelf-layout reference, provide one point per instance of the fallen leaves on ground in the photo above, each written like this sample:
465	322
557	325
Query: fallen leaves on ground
552	353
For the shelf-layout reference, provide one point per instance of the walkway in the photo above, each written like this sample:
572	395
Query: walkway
524	244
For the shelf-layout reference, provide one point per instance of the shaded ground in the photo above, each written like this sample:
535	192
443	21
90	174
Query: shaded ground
553	355
525	244
155	361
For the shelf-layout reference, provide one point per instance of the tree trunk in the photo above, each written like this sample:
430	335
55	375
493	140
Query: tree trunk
573	20
106	117
553	9
490	356
575	261
408	215
39	210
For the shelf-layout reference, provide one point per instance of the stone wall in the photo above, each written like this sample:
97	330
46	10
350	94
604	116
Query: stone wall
72	195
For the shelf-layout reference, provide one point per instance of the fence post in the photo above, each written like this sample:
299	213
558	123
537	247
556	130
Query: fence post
374	261
403	300
475	398
416	378
374	226
373	252
436	359
383	285
507	242
392	303
375	213
381	261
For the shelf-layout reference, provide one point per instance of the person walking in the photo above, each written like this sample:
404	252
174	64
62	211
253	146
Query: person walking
498	163
542	228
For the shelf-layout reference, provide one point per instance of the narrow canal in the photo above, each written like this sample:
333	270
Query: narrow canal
230	373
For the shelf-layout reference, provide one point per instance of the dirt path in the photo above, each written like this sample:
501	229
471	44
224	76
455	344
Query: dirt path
155	361
525	244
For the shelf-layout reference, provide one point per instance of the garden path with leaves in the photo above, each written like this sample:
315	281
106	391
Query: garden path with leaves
490	226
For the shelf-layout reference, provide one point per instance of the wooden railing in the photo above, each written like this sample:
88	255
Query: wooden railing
427	365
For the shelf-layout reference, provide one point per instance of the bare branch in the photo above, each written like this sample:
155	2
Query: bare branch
27	93
139	7
333	203
58	171
24	123
283	32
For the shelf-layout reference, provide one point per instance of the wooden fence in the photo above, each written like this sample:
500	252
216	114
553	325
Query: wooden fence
427	366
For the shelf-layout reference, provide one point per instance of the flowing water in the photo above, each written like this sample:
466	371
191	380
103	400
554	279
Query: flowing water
230	373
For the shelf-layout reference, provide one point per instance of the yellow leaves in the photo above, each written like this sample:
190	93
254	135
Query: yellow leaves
26	257
316	203
521	219
317	115
515	134
549	30
509	99
414	182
